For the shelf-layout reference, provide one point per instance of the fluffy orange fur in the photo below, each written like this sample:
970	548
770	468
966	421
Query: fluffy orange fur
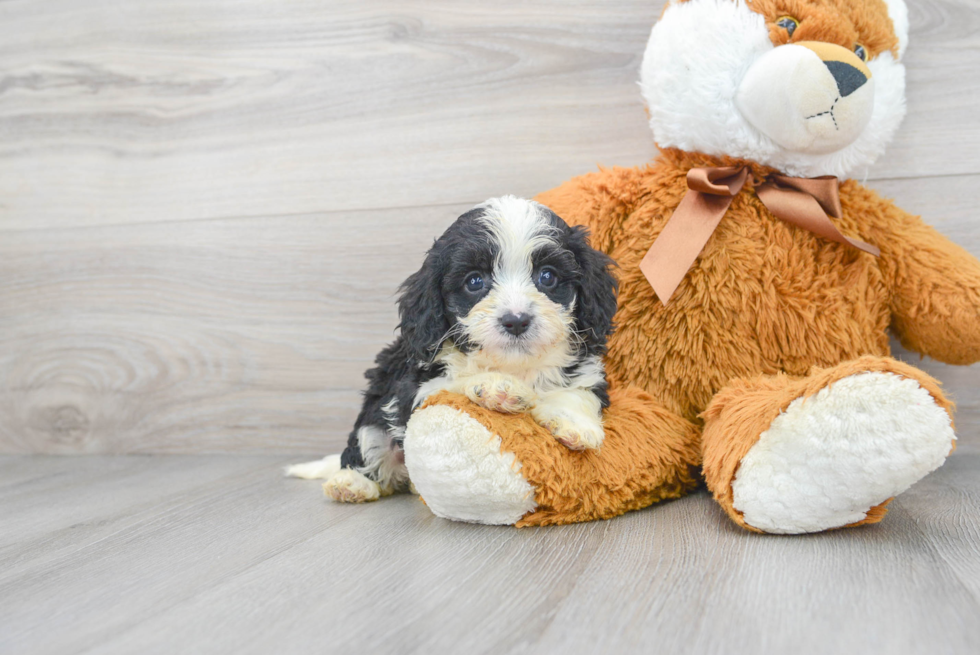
843	22
767	314
627	473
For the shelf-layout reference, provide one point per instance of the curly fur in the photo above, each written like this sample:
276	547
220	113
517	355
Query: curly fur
454	337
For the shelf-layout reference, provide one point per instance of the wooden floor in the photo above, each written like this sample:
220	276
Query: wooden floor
220	554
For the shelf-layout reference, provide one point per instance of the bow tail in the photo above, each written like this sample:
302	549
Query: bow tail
682	240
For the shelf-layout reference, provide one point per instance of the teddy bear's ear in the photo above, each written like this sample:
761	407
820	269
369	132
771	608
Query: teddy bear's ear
596	300
422	309
899	13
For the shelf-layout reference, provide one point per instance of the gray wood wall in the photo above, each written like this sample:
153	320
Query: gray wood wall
206	205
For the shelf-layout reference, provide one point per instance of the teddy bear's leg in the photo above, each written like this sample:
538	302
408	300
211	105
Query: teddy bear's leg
472	464
793	455
458	467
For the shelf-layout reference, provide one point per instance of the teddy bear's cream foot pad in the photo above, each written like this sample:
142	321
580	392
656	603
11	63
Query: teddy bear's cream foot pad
831	457
459	470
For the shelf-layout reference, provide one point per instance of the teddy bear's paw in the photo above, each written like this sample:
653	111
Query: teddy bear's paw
458	467
830	458
500	393
349	486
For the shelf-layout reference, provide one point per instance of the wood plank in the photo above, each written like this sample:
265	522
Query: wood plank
175	110
198	531
944	47
250	335
246	561
709	587
944	508
52	502
183	109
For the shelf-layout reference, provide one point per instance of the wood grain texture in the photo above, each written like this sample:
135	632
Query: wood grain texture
222	555
206	207
242	335
114	112
181	109
246	335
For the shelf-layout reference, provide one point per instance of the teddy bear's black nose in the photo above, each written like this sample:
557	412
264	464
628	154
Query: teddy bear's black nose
516	324
849	79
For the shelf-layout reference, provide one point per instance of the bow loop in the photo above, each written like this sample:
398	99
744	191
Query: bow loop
720	181
824	189
804	202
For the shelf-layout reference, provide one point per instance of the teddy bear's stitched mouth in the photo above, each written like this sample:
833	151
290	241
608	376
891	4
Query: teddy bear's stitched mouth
829	111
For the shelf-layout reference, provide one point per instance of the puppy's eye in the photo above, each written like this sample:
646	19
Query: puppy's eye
547	278
789	24
861	52
474	283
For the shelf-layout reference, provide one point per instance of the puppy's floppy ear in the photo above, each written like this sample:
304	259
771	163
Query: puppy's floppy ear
422	309
596	301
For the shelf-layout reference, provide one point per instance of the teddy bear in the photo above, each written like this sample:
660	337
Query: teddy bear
757	283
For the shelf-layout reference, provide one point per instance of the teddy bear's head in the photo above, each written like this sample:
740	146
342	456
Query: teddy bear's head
809	87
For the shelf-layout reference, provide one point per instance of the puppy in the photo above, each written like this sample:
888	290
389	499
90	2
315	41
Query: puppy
512	308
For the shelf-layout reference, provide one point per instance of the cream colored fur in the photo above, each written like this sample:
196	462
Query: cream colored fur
790	96
831	457
320	469
574	416
564	405
350	486
342	485
692	99
503	378
458	467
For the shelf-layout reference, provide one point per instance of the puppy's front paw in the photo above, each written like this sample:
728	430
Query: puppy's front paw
500	393
576	432
349	486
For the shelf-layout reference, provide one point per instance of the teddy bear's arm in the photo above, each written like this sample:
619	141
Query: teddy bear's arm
934	285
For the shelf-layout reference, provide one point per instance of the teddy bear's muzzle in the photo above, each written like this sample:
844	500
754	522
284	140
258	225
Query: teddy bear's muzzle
808	97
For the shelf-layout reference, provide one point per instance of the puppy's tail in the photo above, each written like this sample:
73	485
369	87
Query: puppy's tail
321	469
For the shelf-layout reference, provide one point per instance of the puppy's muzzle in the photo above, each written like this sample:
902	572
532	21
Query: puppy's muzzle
516	324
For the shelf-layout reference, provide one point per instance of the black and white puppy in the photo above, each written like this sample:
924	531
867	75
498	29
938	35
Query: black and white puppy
512	308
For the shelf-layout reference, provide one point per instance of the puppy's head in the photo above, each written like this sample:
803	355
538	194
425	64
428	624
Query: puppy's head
512	280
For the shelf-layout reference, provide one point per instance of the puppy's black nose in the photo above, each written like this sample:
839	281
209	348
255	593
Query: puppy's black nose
516	324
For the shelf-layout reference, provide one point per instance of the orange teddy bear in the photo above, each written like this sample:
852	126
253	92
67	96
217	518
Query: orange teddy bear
751	346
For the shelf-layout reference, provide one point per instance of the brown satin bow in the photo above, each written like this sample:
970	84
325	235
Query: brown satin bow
800	201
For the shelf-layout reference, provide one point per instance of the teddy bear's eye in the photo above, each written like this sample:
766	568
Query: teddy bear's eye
789	24
861	52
